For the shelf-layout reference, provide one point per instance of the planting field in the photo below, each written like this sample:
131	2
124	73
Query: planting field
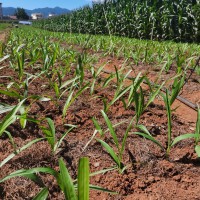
113	100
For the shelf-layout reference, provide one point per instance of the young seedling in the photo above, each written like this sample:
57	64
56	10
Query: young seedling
170	142
117	157
50	134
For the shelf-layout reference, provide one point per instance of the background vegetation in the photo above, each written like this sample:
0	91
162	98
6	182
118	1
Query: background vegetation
177	20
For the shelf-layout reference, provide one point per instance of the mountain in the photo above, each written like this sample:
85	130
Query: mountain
45	11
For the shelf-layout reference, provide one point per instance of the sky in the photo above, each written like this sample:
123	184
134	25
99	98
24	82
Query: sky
31	4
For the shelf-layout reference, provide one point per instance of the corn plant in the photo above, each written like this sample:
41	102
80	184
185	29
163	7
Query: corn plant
50	135
95	75
72	98
117	157
20	64
170	142
165	20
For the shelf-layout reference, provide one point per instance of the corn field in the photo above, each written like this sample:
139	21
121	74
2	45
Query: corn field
177	20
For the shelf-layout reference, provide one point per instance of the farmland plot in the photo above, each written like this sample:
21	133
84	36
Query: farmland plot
110	99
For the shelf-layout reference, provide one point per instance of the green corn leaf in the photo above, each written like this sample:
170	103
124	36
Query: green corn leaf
57	145
42	195
11	141
107	81
68	82
139	103
183	137
169	118
56	89
197	150
70	100
176	87
23	117
110	151
67	103
83	179
31	174
111	129
103	171
19	151
97	126
150	138
153	95
10	118
11	94
94	187
143	129
65	182
50	132
120	94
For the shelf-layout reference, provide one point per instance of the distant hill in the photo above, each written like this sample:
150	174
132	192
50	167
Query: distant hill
45	11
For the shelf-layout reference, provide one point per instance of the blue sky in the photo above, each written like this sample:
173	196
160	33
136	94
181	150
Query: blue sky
31	4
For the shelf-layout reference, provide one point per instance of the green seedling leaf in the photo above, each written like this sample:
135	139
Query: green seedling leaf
83	179
42	195
23	117
19	151
126	136
11	94
150	138
65	182
50	133
169	120
107	81
111	152
68	82
153	95
57	145
70	100
56	89
120	94
31	174
111	129
176	87
183	137
97	126
11	141
139	104
94	187
143	129
197	150
10	118
67	103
